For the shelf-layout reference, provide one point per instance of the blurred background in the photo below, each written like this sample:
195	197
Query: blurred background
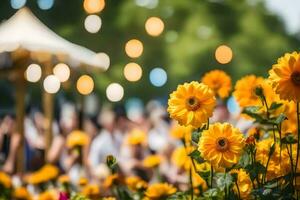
257	32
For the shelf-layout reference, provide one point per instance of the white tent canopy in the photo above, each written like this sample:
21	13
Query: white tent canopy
25	31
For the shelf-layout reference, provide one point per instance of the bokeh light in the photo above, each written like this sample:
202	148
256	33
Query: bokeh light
92	23
33	73
93	6
232	106
150	4
158	77
114	92
85	84
45	4
62	72
134	48
135	109
223	54
133	72
17	4
154	26
103	58
51	84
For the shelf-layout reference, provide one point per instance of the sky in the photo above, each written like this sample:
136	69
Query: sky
288	10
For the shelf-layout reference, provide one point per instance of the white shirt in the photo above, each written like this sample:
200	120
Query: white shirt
102	146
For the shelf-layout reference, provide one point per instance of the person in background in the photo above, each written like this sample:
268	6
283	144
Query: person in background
105	143
58	153
35	139
9	142
92	128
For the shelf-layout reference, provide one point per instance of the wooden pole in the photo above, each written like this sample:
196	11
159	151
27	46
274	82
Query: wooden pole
20	116
48	105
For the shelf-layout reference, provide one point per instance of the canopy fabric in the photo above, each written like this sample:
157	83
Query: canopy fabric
25	31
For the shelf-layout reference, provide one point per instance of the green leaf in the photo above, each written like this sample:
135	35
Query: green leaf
224	181
275	105
280	119
252	112
195	154
196	136
289	139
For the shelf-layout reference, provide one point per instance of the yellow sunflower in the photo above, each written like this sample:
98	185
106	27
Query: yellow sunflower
245	89
22	193
77	138
135	183
243	182
279	163
48	195
180	157
219	82
152	161
159	191
191	104
5	180
64	179
181	132
221	144
285	77
91	191
137	137
46	173
111	180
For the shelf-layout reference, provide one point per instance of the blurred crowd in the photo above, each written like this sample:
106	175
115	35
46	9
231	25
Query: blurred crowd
110	132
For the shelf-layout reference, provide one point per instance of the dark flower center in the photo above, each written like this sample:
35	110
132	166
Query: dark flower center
296	78
192	103
222	144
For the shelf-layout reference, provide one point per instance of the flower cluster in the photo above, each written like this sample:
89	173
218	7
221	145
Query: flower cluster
220	159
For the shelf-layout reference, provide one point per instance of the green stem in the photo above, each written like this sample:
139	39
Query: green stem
238	189
211	175
298	145
191	182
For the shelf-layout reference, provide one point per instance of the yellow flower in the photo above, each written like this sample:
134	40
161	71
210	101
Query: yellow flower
108	198
219	82
289	125
191	104
198	181
159	191
279	163
63	179
83	181
285	77
137	137
135	183
244	183
48	195
46	173
152	161
221	144
180	157
77	138
5	180
245	89
181	132
22	193
91	191
110	180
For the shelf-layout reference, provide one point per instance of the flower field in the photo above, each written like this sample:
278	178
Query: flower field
218	159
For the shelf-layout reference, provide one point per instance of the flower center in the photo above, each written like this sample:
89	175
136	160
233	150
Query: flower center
192	103
296	78
222	144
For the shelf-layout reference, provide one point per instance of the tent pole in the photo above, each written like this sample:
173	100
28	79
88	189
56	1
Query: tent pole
48	105
20	115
